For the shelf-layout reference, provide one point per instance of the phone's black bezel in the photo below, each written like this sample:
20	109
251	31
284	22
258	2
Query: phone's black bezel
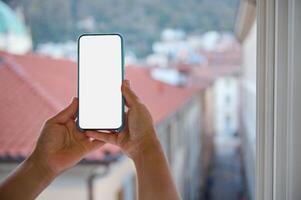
118	129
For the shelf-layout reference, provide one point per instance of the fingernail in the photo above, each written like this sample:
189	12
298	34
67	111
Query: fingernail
72	100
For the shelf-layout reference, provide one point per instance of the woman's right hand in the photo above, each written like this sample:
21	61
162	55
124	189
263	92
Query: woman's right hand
139	141
138	134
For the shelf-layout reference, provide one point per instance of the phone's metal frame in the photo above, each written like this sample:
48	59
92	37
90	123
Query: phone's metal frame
122	77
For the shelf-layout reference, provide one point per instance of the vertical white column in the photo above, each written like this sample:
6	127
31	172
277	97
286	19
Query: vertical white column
294	101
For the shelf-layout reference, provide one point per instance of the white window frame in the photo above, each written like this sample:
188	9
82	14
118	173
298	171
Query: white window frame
265	100
278	150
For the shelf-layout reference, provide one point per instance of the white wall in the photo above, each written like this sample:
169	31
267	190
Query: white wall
73	184
70	185
226	106
248	107
249	85
15	44
107	187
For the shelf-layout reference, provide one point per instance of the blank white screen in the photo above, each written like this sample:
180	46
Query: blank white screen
100	78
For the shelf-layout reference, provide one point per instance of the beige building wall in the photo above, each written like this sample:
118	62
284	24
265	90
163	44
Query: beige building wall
114	183
180	136
207	132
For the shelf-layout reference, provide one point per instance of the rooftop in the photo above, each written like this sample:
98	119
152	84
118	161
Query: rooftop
36	87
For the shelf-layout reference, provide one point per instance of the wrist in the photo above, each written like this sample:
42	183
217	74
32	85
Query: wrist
147	147
41	167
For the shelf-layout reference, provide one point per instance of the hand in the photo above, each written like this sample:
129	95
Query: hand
139	133
61	145
139	141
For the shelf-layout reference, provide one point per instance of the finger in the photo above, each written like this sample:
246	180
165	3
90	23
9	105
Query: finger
129	95
68	113
126	126
71	125
102	136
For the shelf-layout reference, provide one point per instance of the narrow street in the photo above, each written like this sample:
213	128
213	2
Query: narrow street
225	181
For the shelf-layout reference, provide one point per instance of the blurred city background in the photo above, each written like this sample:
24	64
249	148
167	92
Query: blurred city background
192	62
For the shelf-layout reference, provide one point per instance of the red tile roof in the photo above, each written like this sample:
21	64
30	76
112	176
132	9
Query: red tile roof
161	99
35	87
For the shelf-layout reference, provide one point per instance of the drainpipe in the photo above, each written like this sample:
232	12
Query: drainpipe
98	173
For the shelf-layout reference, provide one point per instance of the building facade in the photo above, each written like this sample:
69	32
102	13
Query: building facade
226	105
246	33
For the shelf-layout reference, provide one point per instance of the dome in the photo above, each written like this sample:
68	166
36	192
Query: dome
14	37
9	21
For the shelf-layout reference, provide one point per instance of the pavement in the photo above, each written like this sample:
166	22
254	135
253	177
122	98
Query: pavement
225	180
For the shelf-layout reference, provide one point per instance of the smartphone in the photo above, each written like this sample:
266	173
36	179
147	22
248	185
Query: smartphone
100	75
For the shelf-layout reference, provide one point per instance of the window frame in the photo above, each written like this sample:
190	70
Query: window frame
278	161
265	100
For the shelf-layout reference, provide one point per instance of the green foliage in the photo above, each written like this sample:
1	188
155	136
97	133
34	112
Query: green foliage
140	21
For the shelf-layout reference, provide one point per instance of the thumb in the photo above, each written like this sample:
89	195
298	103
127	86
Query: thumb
67	113
130	97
